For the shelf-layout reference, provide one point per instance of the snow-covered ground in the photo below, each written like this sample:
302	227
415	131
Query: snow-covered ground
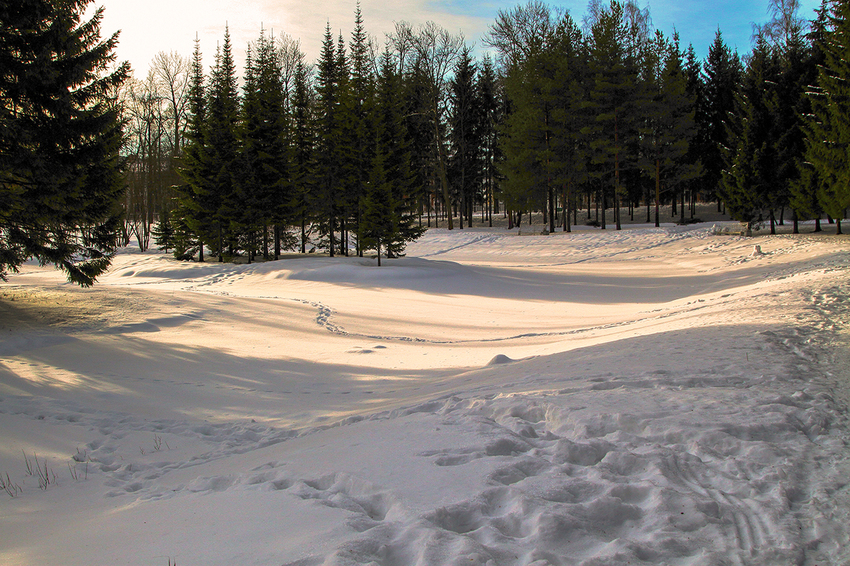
648	396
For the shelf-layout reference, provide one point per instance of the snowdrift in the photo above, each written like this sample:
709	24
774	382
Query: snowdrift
649	396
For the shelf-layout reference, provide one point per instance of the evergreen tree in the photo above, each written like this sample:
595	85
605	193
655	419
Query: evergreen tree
789	107
722	76
465	119
828	135
423	151
670	127
527	141
223	152
328	197
302	148
527	137
359	107
164	234
392	162
613	97
804	188
379	223
490	107
571	89
265	180
60	179
194	208
749	179
699	143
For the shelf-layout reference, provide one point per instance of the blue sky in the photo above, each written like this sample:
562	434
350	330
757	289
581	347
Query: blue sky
150	26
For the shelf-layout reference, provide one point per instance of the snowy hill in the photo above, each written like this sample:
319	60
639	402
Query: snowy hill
648	396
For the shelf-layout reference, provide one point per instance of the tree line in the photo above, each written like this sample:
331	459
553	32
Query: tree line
341	154
609	114
615	113
370	145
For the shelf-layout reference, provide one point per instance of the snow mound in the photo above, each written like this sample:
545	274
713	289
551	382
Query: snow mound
499	359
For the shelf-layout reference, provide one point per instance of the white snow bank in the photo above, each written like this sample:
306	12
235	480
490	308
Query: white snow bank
654	396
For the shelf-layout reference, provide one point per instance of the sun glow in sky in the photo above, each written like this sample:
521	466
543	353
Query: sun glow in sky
152	26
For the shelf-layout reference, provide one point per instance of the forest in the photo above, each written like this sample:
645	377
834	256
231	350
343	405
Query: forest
371	144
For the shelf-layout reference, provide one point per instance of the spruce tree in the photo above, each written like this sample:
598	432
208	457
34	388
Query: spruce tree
222	152
570	91
527	140
804	188
164	233
380	220
488	89
303	139
60	178
359	107
194	211
613	98
528	133
749	179
465	136
723	73
265	179
789	108
828	133
697	148
330	166
670	127
392	161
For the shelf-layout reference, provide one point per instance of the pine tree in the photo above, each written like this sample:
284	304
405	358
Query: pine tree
392	160
265	179
222	151
328	196
722	75
194	211
303	140
749	178
670	127
804	188
613	97
164	233
60	179
465	119
828	134
359	108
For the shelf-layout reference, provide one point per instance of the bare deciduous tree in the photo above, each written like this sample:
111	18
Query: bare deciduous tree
431	52
156	110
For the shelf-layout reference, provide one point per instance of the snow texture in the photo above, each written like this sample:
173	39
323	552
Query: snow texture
645	396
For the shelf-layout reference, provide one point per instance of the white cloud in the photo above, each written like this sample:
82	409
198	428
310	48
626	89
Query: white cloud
162	25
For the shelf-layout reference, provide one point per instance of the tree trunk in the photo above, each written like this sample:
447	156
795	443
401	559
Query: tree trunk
657	192
276	242
441	166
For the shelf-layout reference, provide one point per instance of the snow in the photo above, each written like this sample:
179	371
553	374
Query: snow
644	396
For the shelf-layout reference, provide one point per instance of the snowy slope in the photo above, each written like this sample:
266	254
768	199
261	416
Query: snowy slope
649	396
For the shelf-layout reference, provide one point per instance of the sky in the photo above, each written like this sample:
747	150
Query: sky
150	26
